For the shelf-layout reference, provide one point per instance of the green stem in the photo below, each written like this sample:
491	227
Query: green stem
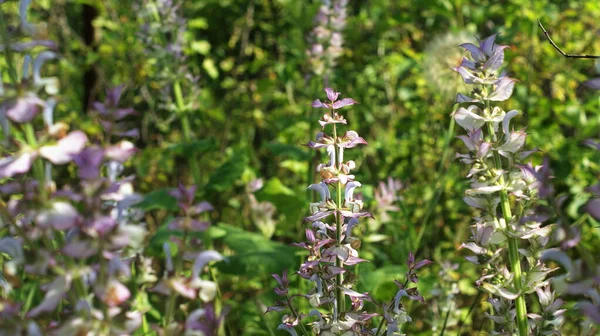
380	326
289	302
438	185
339	279
187	132
29	300
513	249
170	309
38	165
12	72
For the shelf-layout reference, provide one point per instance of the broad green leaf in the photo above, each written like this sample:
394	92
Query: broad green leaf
286	200
195	147
228	173
159	199
286	151
254	255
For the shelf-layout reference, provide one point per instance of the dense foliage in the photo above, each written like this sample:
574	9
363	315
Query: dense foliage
155	157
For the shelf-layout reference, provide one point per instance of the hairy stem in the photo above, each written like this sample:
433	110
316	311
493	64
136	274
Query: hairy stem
339	296
513	251
187	132
38	165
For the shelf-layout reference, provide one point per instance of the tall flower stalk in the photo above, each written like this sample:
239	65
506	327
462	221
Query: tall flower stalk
326	37
163	36
332	249
500	180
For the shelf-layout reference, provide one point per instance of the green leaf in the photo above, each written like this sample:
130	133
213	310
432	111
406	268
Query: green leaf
196	147
198	23
254	255
380	282
209	65
159	199
287	151
200	47
286	200
228	173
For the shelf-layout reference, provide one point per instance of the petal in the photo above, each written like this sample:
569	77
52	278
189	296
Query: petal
318	216
475	51
23	109
56	290
475	248
322	189
422	263
122	113
318	104
89	161
593	83
115	293
349	192
202	259
515	142
60	216
467	76
79	249
484	190
487	45
18	164
344	102
591	311
469	64
132	133
208	289
495	60
331	94
201	207
503	89
121	151
113	95
506	123
593	208
287	328
461	98
65	149
182	288
467	119
37	68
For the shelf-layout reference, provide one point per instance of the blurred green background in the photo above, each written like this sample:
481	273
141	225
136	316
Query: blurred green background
247	84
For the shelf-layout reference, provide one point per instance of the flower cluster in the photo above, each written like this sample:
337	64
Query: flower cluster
506	234
386	197
333	249
326	37
580	278
162	33
593	205
75	246
261	213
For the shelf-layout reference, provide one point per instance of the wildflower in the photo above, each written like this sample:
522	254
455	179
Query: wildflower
495	153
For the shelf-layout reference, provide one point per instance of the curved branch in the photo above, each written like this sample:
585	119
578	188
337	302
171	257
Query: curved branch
559	50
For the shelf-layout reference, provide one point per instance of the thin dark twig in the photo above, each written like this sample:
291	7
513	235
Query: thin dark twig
559	50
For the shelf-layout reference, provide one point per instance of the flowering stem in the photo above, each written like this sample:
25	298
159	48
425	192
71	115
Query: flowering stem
289	302
380	326
187	132
513	251
38	166
339	296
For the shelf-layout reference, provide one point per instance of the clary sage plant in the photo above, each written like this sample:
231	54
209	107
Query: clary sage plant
337	307
73	258
507	238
